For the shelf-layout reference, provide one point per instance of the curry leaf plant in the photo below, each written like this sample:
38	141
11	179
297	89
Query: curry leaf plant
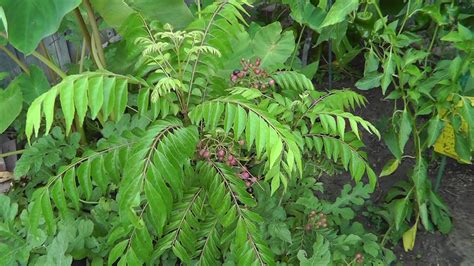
182	148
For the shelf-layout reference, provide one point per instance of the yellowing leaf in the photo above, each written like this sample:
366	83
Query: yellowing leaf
390	167
409	238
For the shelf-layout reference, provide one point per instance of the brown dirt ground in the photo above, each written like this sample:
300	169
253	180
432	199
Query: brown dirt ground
457	189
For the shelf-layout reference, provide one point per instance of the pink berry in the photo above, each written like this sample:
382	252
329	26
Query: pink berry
221	153
248	183
245	175
233	78
241	142
206	154
257	71
271	82
241	74
253	179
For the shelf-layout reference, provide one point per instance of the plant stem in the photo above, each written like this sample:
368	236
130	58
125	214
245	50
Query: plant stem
297	46
95	32
50	64
7	154
23	67
431	45
83	26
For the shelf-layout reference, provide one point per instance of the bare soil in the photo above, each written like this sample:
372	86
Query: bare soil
457	189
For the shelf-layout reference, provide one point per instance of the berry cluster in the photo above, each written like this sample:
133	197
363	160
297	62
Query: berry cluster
317	220
359	258
221	154
248	178
251	75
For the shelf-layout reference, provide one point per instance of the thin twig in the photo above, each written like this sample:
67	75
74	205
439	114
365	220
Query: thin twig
23	67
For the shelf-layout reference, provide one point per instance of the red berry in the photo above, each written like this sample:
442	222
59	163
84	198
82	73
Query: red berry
201	152
221	153
271	82
257	71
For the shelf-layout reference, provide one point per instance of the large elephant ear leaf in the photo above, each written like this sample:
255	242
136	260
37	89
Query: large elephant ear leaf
29	21
174	12
273	46
11	101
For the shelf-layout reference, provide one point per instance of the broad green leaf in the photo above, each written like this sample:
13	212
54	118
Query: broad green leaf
66	96
33	85
399	211
29	22
71	187
281	231
48	107
468	116
121	94
369	81
47	211
35	211
174	12
435	126
33	118
3	18
109	97
84	177
273	46
114	12
405	130
80	98
57	193
388	71
96	95
390	167
321	253
11	101
419	177
116	252
275	152
338	12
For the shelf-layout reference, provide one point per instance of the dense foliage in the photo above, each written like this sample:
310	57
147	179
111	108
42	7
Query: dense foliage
199	138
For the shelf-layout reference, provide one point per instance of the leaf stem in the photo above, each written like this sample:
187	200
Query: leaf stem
95	32
7	154
297	46
23	67
83	26
50	64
